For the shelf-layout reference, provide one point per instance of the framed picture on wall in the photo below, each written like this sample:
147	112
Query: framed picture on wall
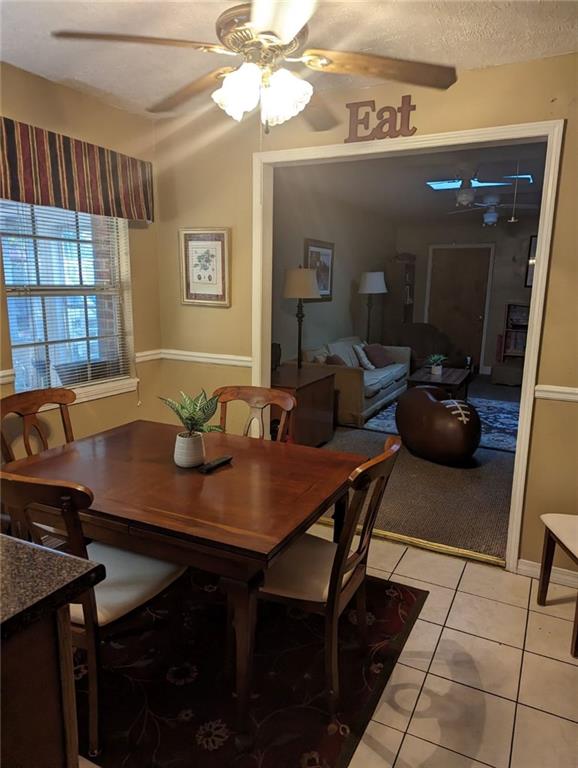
319	256
531	261
204	256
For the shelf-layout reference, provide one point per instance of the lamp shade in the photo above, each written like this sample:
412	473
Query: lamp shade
372	282
301	284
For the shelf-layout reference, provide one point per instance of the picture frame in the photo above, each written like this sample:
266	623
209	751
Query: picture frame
319	256
529	281
204	258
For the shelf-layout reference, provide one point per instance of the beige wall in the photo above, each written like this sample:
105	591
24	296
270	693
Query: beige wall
203	169
510	259
304	207
205	179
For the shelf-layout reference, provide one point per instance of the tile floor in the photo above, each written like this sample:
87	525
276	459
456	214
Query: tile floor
486	677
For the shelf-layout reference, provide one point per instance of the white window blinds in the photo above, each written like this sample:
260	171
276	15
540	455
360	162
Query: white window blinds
67	283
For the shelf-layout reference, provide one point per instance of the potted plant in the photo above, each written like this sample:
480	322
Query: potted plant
194	413
436	361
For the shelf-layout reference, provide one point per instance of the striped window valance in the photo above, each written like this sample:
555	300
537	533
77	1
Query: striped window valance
45	168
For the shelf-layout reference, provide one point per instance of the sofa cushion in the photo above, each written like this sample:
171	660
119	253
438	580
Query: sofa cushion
334	360
364	361
381	378
378	355
315	355
344	348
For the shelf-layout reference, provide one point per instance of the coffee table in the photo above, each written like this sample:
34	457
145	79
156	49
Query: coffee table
451	379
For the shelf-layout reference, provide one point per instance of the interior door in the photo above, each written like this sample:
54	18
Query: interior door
457	295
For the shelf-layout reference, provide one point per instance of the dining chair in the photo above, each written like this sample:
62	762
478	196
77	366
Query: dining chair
259	398
562	530
131	579
26	405
320	576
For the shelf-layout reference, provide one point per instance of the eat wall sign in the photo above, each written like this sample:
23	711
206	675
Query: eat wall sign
366	124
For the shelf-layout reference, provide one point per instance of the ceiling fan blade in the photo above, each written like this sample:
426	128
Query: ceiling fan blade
66	34
285	18
319	116
464	210
346	63
187	92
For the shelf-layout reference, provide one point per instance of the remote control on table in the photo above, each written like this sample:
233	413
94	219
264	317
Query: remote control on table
211	465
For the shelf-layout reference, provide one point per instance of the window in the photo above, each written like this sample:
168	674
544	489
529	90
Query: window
66	278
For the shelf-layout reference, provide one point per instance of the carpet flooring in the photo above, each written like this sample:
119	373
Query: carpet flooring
166	701
467	508
499	422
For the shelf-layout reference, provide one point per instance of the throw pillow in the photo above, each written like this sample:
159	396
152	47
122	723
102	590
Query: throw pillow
320	359
334	360
378	355
363	359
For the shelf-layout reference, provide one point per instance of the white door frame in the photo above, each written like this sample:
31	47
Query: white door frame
486	369
550	131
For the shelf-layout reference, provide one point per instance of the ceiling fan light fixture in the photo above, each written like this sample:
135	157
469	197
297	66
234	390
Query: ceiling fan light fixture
490	218
240	91
283	96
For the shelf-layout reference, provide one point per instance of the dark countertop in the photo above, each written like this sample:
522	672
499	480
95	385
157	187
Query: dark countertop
35	581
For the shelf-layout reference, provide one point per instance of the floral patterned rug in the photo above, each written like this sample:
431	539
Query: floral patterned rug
499	422
166	701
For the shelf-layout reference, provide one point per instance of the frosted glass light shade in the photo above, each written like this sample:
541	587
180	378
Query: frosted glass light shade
372	282
240	91
301	284
283	97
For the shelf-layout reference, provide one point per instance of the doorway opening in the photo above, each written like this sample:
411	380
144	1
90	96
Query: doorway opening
420	290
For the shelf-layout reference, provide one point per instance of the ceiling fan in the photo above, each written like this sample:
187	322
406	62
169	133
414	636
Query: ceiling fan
467	184
492	206
266	34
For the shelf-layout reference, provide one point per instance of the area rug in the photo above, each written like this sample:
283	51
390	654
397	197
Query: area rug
499	422
463	507
166	701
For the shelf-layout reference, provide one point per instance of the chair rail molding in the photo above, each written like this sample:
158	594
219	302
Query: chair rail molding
553	392
208	358
7	376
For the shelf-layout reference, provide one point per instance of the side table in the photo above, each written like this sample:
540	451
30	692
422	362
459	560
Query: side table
314	390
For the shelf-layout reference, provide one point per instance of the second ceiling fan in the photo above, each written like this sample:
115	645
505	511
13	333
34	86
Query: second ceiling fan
265	35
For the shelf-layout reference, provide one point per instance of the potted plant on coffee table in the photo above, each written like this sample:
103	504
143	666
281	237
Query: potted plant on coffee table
194	413
435	361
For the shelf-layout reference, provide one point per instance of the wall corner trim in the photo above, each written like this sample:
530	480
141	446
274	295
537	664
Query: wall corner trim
7	376
208	358
552	392
558	576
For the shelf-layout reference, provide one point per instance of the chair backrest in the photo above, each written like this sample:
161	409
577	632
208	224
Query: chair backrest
26	405
258	398
35	503
367	483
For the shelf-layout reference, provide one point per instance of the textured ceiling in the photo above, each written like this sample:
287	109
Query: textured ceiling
467	33
396	187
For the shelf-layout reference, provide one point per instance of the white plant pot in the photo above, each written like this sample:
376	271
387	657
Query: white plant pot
189	450
436	370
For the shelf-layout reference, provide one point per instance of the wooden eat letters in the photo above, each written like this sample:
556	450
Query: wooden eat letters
387	126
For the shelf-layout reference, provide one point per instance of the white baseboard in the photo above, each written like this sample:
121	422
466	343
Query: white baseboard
559	575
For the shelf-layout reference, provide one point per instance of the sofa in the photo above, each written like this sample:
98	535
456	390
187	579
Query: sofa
361	393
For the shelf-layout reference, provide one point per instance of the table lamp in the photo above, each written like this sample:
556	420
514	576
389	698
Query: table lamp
371	283
300	284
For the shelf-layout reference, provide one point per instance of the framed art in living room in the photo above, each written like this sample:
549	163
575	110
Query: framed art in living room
204	256
319	256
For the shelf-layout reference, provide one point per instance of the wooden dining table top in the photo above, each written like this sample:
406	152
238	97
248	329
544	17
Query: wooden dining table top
270	492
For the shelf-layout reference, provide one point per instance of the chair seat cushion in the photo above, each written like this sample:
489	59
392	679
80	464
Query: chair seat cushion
564	528
304	570
131	580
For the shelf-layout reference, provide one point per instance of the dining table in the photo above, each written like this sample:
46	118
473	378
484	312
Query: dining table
233	522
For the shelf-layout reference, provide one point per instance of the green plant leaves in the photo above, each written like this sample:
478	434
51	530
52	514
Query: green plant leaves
195	412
